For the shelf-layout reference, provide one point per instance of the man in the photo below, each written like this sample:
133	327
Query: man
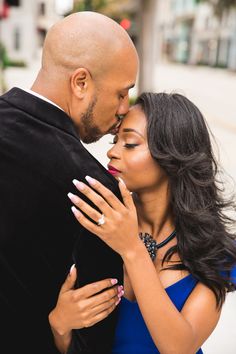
89	63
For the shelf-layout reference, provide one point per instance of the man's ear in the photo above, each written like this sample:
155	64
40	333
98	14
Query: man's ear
81	81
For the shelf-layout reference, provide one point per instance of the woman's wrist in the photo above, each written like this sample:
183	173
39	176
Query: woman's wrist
138	249
62	337
57	325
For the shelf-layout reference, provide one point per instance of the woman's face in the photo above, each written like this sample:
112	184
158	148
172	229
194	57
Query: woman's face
130	156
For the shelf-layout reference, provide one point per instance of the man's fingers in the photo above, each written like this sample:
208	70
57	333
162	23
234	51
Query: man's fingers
70	280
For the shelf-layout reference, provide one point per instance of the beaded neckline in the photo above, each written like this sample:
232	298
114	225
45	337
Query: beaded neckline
151	245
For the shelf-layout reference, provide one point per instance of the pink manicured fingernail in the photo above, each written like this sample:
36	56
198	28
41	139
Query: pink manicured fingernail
71	268
121	180
121	293
72	197
78	184
118	301
120	287
90	180
75	211
114	281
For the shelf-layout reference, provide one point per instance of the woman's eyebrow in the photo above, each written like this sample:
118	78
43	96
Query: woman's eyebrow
131	130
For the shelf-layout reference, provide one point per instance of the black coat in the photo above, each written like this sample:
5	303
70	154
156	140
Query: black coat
40	155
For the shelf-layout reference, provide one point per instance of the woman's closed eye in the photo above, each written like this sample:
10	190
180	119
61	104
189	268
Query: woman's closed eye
130	146
126	145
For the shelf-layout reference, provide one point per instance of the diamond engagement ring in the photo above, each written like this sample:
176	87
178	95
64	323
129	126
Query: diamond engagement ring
101	220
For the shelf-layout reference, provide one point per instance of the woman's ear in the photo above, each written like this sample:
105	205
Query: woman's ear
81	81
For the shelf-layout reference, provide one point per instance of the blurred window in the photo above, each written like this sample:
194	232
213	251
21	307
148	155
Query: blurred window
13	2
42	8
17	39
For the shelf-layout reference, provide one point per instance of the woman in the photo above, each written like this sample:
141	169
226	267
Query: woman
172	232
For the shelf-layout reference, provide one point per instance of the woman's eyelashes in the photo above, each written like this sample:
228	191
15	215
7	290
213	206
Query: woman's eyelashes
126	145
130	146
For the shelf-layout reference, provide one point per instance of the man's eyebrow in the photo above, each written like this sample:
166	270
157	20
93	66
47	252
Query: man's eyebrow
129	87
131	130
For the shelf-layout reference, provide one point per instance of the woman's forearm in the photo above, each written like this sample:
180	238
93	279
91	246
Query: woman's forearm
170	331
62	340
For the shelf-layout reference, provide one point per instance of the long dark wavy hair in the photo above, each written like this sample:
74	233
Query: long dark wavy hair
179	140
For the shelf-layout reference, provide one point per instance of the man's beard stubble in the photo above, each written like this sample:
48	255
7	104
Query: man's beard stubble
91	133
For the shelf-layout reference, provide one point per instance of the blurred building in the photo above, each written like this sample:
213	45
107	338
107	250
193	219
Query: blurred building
46	16
192	33
23	30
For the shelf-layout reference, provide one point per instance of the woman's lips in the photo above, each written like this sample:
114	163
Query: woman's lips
112	170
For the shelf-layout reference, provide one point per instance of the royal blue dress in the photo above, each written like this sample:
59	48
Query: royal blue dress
132	336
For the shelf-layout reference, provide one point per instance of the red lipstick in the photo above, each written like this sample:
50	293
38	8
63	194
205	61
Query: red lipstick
112	170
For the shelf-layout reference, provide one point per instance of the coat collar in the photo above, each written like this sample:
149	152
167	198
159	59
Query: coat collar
40	109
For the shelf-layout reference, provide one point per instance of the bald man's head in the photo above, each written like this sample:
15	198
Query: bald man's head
85	39
89	63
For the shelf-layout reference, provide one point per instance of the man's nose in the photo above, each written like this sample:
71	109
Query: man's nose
124	106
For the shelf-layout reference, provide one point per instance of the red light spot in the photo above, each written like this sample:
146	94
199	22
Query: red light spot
4	10
125	23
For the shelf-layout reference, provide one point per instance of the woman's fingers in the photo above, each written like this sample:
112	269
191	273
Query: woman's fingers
100	316
97	200
85	207
126	195
115	221
89	225
97	307
103	199
105	297
106	305
110	197
104	202
70	280
91	289
102	309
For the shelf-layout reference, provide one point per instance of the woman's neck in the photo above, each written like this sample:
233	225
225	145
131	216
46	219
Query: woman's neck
154	214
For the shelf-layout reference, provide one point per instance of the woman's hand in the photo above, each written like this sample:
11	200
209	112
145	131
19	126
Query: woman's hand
120	227
83	307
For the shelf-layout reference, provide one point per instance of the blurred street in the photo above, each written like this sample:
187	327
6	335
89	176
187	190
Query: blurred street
213	91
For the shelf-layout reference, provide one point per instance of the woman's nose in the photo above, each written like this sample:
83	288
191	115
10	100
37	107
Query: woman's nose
112	153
